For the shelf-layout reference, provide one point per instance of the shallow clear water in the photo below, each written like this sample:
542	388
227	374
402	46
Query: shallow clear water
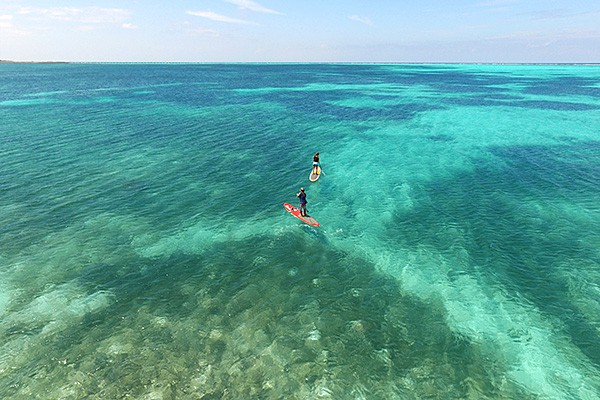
145	252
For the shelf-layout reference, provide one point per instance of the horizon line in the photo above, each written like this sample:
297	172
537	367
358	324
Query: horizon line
301	62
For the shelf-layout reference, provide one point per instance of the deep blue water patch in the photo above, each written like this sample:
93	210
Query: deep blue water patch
566	86
526	255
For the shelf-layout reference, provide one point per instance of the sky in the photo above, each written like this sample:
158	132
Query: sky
461	31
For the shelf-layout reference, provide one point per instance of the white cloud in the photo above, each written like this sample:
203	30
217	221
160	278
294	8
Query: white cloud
364	20
7	27
192	29
547	37
6	19
496	3
87	15
129	25
252	6
205	32
217	17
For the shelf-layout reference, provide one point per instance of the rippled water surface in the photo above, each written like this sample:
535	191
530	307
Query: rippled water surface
145	252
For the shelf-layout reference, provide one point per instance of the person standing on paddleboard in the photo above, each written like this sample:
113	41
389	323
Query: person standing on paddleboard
302	196
316	162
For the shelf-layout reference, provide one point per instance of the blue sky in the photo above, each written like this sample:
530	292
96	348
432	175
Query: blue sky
487	31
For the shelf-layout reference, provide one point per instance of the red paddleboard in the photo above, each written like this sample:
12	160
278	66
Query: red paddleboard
295	211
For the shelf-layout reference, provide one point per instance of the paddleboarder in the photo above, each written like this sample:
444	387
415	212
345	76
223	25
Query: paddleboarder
316	162
302	196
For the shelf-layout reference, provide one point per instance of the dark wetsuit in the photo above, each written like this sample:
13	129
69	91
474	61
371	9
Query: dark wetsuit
315	167
302	197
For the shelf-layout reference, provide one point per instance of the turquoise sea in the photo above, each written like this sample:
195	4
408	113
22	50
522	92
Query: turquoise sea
145	252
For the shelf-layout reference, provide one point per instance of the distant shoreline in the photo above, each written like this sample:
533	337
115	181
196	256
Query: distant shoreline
32	62
305	62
